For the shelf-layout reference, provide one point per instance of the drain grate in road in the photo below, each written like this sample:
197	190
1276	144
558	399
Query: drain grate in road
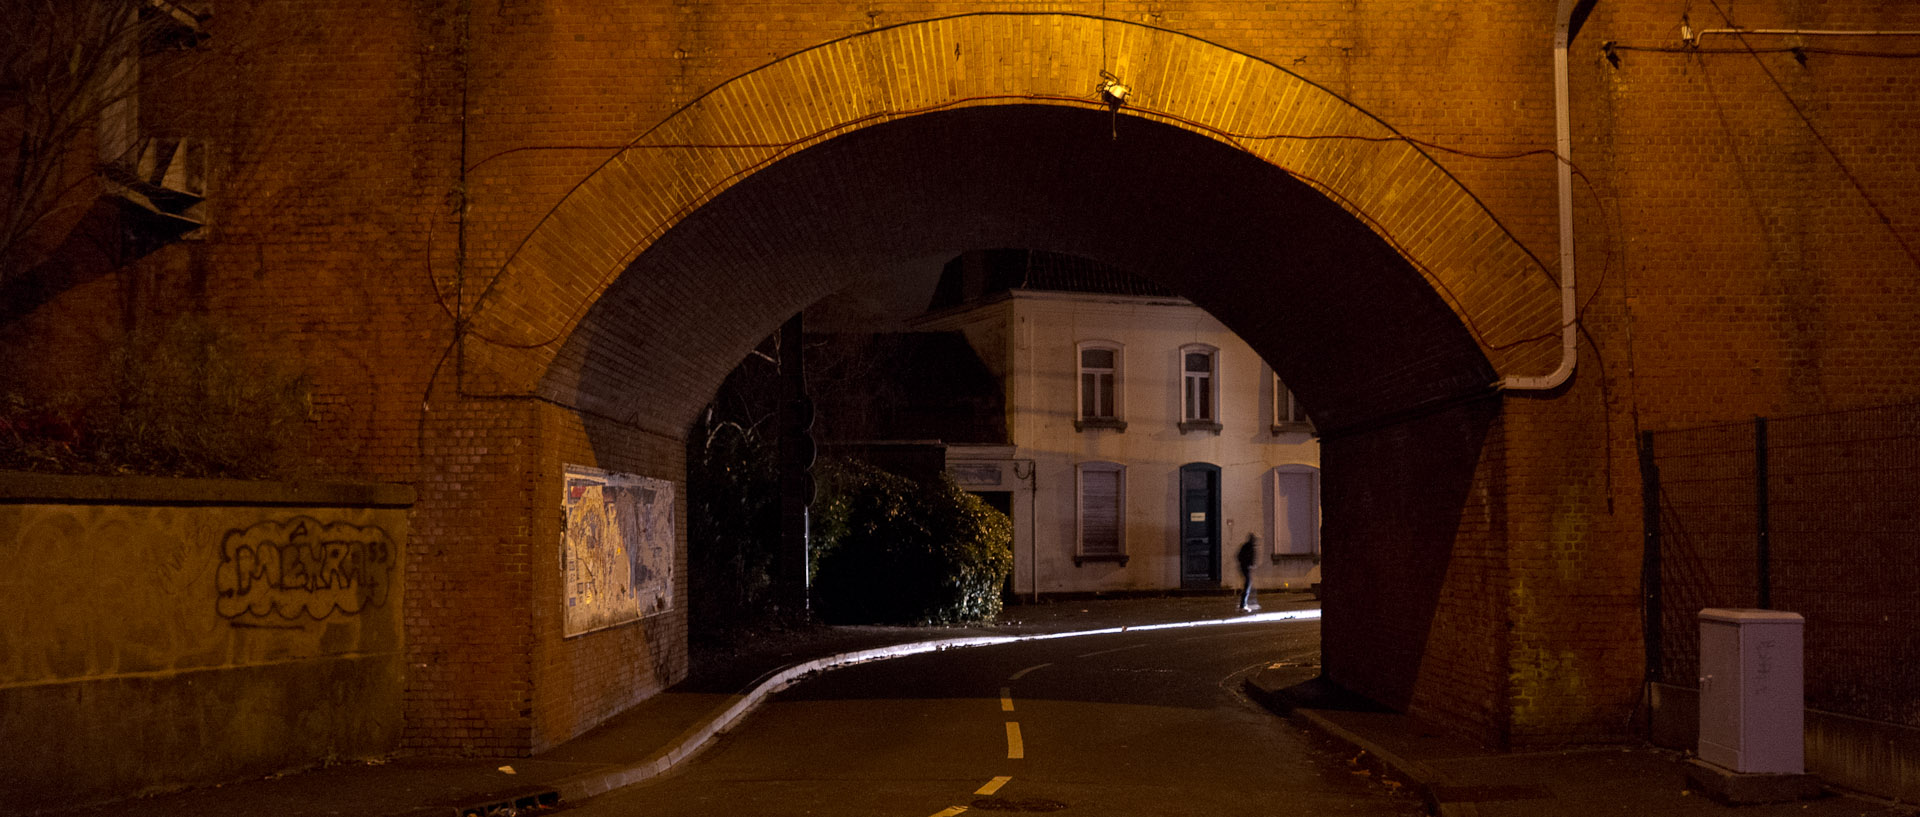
520	805
1488	794
1025	804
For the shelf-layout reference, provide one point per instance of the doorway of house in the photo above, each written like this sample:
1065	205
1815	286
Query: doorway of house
1001	501
1199	525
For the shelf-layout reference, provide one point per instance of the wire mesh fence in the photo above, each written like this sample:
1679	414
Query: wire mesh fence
1817	515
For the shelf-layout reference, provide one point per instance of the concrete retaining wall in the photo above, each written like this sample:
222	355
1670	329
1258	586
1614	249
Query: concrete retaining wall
1881	759
162	633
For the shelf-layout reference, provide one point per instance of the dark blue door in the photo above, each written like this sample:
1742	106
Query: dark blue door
1199	525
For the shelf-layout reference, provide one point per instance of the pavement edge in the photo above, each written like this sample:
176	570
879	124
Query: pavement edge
1423	779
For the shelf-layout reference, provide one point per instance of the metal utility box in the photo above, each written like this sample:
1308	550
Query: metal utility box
1752	704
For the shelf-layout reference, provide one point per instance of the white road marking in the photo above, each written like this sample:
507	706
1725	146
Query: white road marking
1006	699
777	680
1015	749
1104	652
1018	675
1278	615
993	785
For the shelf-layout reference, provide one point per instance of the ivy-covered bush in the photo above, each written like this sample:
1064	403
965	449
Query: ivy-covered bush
888	550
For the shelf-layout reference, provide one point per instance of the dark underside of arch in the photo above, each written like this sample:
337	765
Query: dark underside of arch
1353	328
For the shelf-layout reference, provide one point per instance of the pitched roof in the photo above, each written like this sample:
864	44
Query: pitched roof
904	386
983	274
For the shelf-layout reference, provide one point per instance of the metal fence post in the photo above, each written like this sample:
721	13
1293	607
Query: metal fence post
1763	555
1650	557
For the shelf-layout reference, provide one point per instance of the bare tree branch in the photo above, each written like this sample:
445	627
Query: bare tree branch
78	66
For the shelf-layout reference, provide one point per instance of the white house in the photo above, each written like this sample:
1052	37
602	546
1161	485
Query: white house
1147	440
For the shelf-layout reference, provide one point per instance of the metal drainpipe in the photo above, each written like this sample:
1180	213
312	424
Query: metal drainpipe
1563	148
1692	37
1032	479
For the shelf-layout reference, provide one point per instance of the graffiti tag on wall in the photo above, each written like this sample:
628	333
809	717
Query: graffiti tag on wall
302	567
616	554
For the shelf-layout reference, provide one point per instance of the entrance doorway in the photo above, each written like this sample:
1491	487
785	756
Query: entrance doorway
1001	501
1199	525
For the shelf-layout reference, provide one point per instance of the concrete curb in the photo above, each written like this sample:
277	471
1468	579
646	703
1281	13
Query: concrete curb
690	742
1423	779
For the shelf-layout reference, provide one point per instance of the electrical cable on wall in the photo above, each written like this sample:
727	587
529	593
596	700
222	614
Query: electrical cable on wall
780	149
1845	170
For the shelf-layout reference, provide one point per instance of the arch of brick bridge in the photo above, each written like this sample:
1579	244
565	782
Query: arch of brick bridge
1370	278
881	79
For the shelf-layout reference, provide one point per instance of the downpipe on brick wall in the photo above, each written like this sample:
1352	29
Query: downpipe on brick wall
1563	154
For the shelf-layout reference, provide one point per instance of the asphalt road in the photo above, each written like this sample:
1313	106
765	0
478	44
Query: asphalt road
1138	723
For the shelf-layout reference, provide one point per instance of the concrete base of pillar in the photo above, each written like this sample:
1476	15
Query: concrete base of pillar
1735	788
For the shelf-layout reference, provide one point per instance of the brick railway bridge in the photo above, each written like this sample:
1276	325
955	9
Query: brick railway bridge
509	236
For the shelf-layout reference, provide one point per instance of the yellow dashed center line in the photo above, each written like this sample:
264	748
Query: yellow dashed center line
1015	750
992	786
950	811
1006	699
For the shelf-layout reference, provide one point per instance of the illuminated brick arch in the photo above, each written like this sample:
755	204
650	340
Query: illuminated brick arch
970	70
1378	287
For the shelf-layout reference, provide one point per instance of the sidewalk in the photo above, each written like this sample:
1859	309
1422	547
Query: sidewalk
1460	779
645	740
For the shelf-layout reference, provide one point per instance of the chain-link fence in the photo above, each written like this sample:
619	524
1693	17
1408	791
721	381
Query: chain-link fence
1817	515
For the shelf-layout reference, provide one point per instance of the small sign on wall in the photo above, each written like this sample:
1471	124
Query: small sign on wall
976	474
616	553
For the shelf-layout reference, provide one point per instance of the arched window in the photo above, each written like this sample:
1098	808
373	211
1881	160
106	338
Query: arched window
1288	414
1199	388
1100	366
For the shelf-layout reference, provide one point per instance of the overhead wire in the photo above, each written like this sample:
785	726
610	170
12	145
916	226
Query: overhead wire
1788	49
782	148
1845	170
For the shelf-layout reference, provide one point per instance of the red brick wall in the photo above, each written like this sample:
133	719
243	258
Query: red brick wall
1728	268
1415	573
1573	561
473	556
581	681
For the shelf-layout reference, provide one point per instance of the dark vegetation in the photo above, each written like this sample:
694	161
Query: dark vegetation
185	400
890	550
733	526
885	548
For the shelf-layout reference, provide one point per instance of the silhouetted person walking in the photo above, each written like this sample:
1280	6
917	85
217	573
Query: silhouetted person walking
1247	554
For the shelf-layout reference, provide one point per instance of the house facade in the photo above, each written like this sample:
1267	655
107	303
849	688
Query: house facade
1146	441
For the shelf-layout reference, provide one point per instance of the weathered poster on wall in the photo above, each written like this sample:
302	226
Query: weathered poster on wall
617	555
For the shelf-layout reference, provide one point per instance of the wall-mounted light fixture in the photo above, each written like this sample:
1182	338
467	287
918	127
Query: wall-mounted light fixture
1113	91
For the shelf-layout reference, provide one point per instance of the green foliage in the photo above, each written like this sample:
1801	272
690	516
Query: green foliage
188	401
894	551
733	527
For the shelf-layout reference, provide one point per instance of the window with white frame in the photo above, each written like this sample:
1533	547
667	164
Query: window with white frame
1100	523
1293	519
1100	369
1287	413
1199	388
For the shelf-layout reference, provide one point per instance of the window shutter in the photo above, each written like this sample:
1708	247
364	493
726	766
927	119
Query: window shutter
1100	513
1295	530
